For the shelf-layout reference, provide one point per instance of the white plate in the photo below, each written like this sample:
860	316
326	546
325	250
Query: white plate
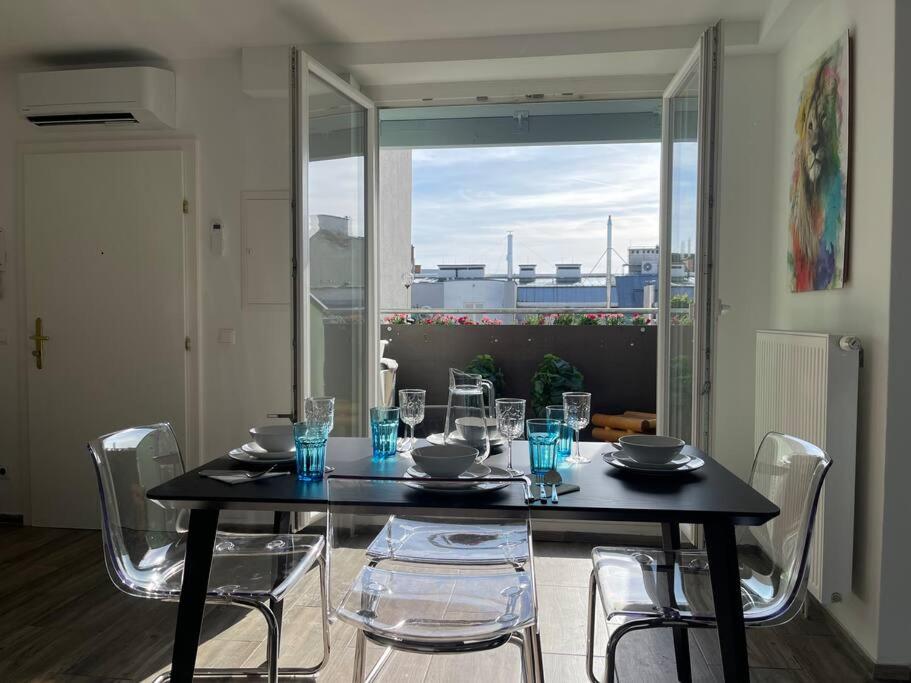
438	440
475	485
675	464
476	470
617	460
254	449
260	459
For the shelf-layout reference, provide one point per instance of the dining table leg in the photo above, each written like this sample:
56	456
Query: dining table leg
722	554
670	540
195	583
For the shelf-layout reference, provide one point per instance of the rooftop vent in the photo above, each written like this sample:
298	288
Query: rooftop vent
569	273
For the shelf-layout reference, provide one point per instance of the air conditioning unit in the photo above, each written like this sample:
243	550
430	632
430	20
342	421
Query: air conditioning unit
136	97
650	266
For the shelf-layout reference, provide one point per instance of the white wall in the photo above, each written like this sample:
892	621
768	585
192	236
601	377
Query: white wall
748	106
243	144
394	226
863	307
895	606
9	310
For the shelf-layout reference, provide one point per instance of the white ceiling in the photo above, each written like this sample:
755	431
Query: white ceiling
525	68
356	21
59	30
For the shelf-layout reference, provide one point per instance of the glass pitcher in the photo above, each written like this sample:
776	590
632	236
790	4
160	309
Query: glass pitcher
461	378
466	417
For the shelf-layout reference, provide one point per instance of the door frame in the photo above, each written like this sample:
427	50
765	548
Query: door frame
301	65
188	147
708	49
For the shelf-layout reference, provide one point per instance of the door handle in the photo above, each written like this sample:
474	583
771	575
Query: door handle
39	339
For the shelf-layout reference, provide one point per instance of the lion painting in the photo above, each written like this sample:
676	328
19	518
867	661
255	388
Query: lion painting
816	255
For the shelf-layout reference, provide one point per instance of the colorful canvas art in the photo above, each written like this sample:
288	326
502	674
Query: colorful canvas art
819	184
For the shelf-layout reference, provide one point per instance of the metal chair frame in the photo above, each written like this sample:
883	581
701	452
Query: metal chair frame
528	640
267	604
672	618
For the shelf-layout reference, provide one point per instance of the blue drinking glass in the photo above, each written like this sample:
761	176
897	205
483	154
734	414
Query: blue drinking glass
542	444
384	428
565	440
310	438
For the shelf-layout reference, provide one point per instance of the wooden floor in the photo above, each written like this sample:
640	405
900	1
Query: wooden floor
61	619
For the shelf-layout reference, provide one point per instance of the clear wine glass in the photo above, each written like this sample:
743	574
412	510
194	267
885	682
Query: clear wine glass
577	407
511	424
411	406
321	409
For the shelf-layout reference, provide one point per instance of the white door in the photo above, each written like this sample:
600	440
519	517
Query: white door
105	274
687	308
334	302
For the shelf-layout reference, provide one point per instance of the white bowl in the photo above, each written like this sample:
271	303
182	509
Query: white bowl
445	462
472	429
650	449
273	438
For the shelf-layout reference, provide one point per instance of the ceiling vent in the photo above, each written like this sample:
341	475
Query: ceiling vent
135	97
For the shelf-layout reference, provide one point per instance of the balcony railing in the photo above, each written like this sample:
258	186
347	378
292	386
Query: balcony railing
532	310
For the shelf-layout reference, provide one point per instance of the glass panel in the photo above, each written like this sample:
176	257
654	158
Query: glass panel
683	108
336	182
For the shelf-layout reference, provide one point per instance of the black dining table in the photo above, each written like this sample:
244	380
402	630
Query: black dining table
712	496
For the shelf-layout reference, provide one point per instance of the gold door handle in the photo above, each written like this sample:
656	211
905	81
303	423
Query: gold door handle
39	340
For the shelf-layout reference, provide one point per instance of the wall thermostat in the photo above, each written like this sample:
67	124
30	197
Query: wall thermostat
217	240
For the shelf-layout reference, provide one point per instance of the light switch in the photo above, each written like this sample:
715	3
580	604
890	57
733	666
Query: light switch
227	335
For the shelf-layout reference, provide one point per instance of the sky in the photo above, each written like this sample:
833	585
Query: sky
555	199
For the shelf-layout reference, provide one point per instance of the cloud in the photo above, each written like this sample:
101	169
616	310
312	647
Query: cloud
336	188
554	198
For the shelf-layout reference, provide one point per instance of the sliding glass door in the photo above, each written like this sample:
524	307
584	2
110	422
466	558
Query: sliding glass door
686	283
333	194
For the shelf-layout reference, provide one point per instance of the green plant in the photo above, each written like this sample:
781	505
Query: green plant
680	301
484	365
553	376
615	319
564	319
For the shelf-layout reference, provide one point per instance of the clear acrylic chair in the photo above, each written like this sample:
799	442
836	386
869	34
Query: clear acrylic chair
447	582
448	542
145	543
650	588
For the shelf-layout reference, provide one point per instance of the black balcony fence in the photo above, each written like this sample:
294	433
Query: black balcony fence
618	363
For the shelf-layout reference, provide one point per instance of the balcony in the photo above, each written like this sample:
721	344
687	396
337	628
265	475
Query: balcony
616	352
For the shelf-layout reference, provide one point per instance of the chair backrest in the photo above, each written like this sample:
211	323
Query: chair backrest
789	472
414	563
142	539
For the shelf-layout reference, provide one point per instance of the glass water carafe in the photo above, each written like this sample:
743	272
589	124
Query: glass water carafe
461	378
466	417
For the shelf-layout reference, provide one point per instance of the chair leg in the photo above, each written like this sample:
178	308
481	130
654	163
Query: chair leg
324	611
537	656
526	648
613	642
324	614
360	658
590	631
610	667
273	640
380	663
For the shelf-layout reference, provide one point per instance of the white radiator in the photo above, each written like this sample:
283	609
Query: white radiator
807	386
